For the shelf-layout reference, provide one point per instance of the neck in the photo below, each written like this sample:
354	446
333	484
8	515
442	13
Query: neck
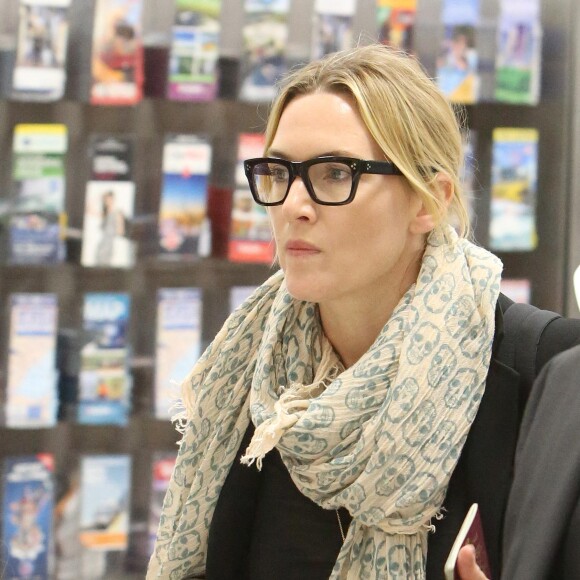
353	325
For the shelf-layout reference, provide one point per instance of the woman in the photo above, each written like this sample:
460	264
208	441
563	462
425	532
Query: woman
345	387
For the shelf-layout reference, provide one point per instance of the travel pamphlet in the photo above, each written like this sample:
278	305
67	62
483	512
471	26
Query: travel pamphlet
27	515
250	231
183	223
37	217
179	318
31	386
105	378
193	58
39	73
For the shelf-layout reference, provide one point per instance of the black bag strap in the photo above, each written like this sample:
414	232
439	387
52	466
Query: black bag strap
523	327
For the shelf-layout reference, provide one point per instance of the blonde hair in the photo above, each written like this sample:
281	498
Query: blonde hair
407	115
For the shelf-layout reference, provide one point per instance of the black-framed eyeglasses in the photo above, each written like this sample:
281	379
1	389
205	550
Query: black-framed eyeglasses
328	180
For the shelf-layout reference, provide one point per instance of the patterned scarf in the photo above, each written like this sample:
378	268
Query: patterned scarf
380	438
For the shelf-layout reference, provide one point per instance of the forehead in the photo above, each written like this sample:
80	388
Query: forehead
322	122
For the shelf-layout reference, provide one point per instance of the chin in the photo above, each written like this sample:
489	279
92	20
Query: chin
303	289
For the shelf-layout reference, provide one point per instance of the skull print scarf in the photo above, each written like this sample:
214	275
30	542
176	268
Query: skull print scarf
380	438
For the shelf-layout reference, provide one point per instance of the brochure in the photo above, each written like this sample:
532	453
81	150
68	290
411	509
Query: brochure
514	174
39	73
519	52
332	27
117	53
104	378
396	23
458	63
183	222
27	505
194	50
178	347
31	389
265	34
105	486
250	231
108	210
37	217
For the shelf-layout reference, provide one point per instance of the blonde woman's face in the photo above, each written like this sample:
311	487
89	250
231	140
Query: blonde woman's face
356	252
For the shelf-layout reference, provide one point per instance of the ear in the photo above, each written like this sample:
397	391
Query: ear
425	220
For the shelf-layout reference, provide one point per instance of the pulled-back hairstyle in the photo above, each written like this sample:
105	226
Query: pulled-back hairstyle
403	109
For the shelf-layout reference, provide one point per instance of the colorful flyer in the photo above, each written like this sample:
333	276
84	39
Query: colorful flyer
396	23
518	289
250	232
332	26
108	210
31	391
265	33
105	378
28	502
37	217
179	317
519	52
194	50
105	490
458	63
41	49
514	175
183	221
111	157
161	470
238	295
117	53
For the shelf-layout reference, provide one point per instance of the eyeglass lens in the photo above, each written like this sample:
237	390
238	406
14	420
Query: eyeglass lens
330	180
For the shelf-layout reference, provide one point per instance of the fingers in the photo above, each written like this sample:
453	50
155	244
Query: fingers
467	566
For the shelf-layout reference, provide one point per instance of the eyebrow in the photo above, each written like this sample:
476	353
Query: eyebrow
335	153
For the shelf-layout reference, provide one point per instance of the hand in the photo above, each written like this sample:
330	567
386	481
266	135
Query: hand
467	566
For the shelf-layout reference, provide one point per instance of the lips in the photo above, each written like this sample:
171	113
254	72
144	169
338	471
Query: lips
300	248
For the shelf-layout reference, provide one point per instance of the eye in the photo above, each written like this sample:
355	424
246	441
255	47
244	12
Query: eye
279	173
337	172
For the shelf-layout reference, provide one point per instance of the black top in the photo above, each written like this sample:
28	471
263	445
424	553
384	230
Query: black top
257	508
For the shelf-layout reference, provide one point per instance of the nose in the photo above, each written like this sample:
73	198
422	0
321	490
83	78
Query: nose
298	203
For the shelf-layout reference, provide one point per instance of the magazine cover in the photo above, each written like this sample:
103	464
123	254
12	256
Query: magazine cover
514	174
194	50
31	386
111	157
265	34
519	52
396	23
238	294
332	29
41	49
108	209
250	237
162	468
104	378
27	504
183	222
179	318
117	53
458	62
105	486
37	218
